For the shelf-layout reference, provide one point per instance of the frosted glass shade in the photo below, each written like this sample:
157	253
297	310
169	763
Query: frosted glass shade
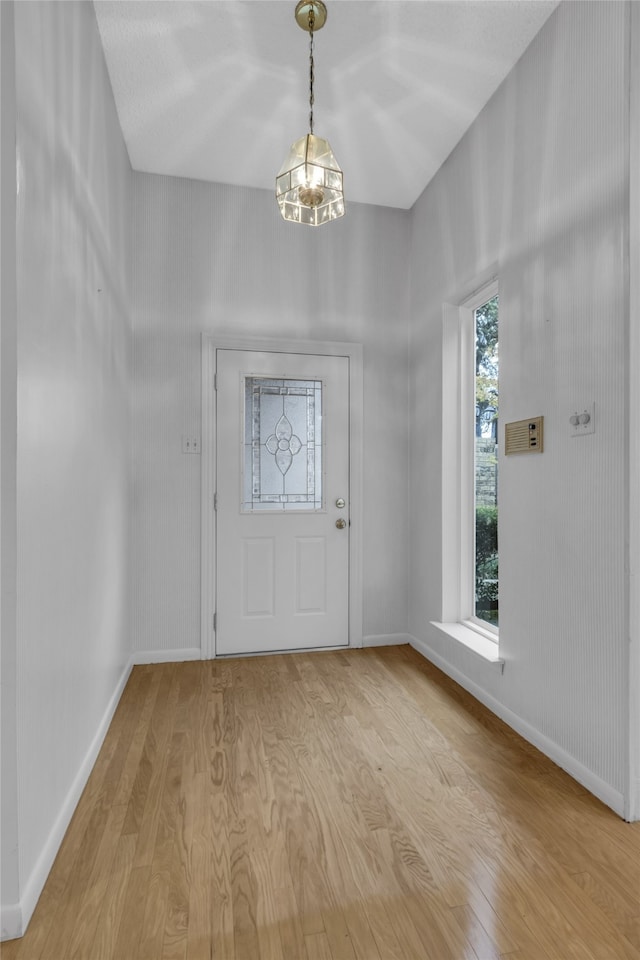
309	184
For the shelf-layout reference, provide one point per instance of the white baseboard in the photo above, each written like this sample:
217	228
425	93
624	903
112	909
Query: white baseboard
16	917
632	814
386	639
165	656
594	784
11	925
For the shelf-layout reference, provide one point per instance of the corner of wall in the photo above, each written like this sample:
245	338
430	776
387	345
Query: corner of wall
632	807
11	914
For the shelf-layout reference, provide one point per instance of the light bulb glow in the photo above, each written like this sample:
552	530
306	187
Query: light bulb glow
311	196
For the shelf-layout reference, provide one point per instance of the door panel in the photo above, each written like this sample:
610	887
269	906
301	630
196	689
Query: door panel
311	575
282	463
258	576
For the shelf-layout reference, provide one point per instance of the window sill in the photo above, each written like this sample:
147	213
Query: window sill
474	638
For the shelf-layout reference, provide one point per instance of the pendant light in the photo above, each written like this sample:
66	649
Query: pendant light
309	184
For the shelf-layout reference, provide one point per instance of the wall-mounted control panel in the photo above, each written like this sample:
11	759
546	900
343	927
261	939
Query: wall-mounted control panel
524	436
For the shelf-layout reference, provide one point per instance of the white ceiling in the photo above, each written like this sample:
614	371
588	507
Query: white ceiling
217	90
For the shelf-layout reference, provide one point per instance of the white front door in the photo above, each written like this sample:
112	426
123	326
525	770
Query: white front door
282	543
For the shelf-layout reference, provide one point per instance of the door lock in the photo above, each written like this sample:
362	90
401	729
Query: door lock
340	503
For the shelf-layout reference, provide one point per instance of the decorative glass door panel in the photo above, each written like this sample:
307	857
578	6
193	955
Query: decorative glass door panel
282	444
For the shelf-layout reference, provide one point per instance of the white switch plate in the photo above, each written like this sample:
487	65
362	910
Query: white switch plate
190	444
582	429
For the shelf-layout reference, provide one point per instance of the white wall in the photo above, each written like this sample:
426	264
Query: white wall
9	879
73	179
220	259
633	385
538	187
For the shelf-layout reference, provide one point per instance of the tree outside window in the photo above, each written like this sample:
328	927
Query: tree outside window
486	462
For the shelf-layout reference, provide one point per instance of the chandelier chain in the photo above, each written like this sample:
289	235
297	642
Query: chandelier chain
311	67
309	184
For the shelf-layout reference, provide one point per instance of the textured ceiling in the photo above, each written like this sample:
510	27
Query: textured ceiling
218	90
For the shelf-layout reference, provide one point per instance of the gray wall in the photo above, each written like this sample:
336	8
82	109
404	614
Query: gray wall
221	260
9	879
72	239
537	192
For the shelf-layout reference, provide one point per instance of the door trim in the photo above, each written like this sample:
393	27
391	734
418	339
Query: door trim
210	345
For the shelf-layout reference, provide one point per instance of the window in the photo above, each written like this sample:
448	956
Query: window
282	444
469	612
485	474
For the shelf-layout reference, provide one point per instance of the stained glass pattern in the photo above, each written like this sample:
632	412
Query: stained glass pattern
282	444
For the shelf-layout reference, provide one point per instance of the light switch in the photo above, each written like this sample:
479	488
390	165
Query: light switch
583	420
190	443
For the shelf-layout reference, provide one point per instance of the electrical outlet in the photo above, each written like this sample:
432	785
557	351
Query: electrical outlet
190	444
583	420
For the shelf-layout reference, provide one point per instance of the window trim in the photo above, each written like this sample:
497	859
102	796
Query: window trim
458	619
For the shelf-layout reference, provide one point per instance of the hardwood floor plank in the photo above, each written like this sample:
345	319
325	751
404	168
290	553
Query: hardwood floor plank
338	935
244	893
157	911
136	734
480	940
318	947
348	805
92	900
361	936
221	916
174	946
219	802
200	893
385	937
131	913
143	806
618	904
496	930
111	910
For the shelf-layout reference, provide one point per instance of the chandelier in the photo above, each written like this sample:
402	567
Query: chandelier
309	184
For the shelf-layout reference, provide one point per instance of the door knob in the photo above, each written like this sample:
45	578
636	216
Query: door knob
341	523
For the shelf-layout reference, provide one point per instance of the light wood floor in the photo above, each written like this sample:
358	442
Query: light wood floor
329	807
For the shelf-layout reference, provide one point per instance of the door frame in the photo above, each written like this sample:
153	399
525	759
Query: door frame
211	343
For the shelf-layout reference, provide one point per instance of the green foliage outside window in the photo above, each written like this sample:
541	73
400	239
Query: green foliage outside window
487	563
486	391
486	319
